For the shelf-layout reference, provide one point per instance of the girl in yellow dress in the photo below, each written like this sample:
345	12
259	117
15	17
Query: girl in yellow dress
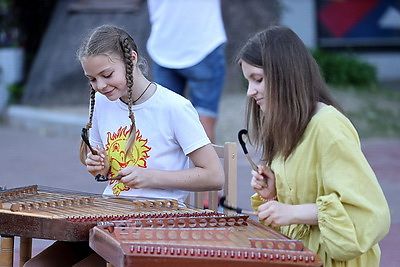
314	183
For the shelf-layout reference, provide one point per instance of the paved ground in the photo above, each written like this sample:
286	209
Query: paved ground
41	147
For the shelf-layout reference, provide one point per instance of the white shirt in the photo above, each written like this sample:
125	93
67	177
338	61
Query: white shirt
184	32
168	128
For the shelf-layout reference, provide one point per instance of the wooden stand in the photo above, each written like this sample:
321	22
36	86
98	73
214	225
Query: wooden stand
7	248
7	251
25	250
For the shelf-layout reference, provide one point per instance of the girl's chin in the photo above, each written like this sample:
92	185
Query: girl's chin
112	98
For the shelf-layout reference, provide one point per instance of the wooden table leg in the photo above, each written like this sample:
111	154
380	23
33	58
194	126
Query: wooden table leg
7	251
25	247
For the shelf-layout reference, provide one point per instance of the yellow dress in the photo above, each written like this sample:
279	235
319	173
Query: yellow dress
328	168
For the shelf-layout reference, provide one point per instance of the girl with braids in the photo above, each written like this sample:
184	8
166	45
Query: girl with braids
314	183
139	131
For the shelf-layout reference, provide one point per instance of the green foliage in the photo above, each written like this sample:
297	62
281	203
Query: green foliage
346	71
16	91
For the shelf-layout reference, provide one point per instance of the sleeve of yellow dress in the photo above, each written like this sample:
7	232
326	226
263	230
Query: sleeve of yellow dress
256	201
353	214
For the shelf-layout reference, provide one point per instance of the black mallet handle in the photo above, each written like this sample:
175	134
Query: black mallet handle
243	145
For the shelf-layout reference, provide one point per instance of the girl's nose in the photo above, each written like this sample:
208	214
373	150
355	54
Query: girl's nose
251	91
101	84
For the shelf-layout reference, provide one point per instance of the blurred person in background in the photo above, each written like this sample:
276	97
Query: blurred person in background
186	45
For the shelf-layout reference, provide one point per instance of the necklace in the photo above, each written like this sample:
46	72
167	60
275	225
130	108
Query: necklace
144	91
148	86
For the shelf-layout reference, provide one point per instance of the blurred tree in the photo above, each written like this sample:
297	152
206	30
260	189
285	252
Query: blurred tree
242	20
9	32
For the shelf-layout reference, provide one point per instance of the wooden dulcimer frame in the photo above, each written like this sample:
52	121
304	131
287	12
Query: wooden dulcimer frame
141	232
218	240
65	215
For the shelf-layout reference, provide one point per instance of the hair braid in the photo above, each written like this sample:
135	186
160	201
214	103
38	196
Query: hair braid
83	149
110	40
126	47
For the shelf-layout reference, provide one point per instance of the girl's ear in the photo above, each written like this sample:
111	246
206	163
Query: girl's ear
134	57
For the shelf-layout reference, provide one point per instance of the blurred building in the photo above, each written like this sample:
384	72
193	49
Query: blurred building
366	28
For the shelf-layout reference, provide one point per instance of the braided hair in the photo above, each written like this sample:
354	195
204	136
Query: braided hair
107	40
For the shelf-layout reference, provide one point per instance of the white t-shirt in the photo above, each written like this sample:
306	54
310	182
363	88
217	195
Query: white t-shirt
168	128
184	32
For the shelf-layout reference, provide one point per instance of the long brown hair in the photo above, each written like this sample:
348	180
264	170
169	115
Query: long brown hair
294	86
110	40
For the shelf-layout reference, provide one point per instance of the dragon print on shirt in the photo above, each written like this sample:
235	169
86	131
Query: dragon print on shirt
116	154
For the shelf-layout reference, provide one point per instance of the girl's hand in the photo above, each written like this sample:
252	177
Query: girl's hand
275	213
135	177
263	182
279	214
97	164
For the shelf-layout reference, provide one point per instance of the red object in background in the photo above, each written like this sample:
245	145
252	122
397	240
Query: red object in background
340	17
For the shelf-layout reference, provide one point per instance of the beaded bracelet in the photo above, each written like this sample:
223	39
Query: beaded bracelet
269	199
